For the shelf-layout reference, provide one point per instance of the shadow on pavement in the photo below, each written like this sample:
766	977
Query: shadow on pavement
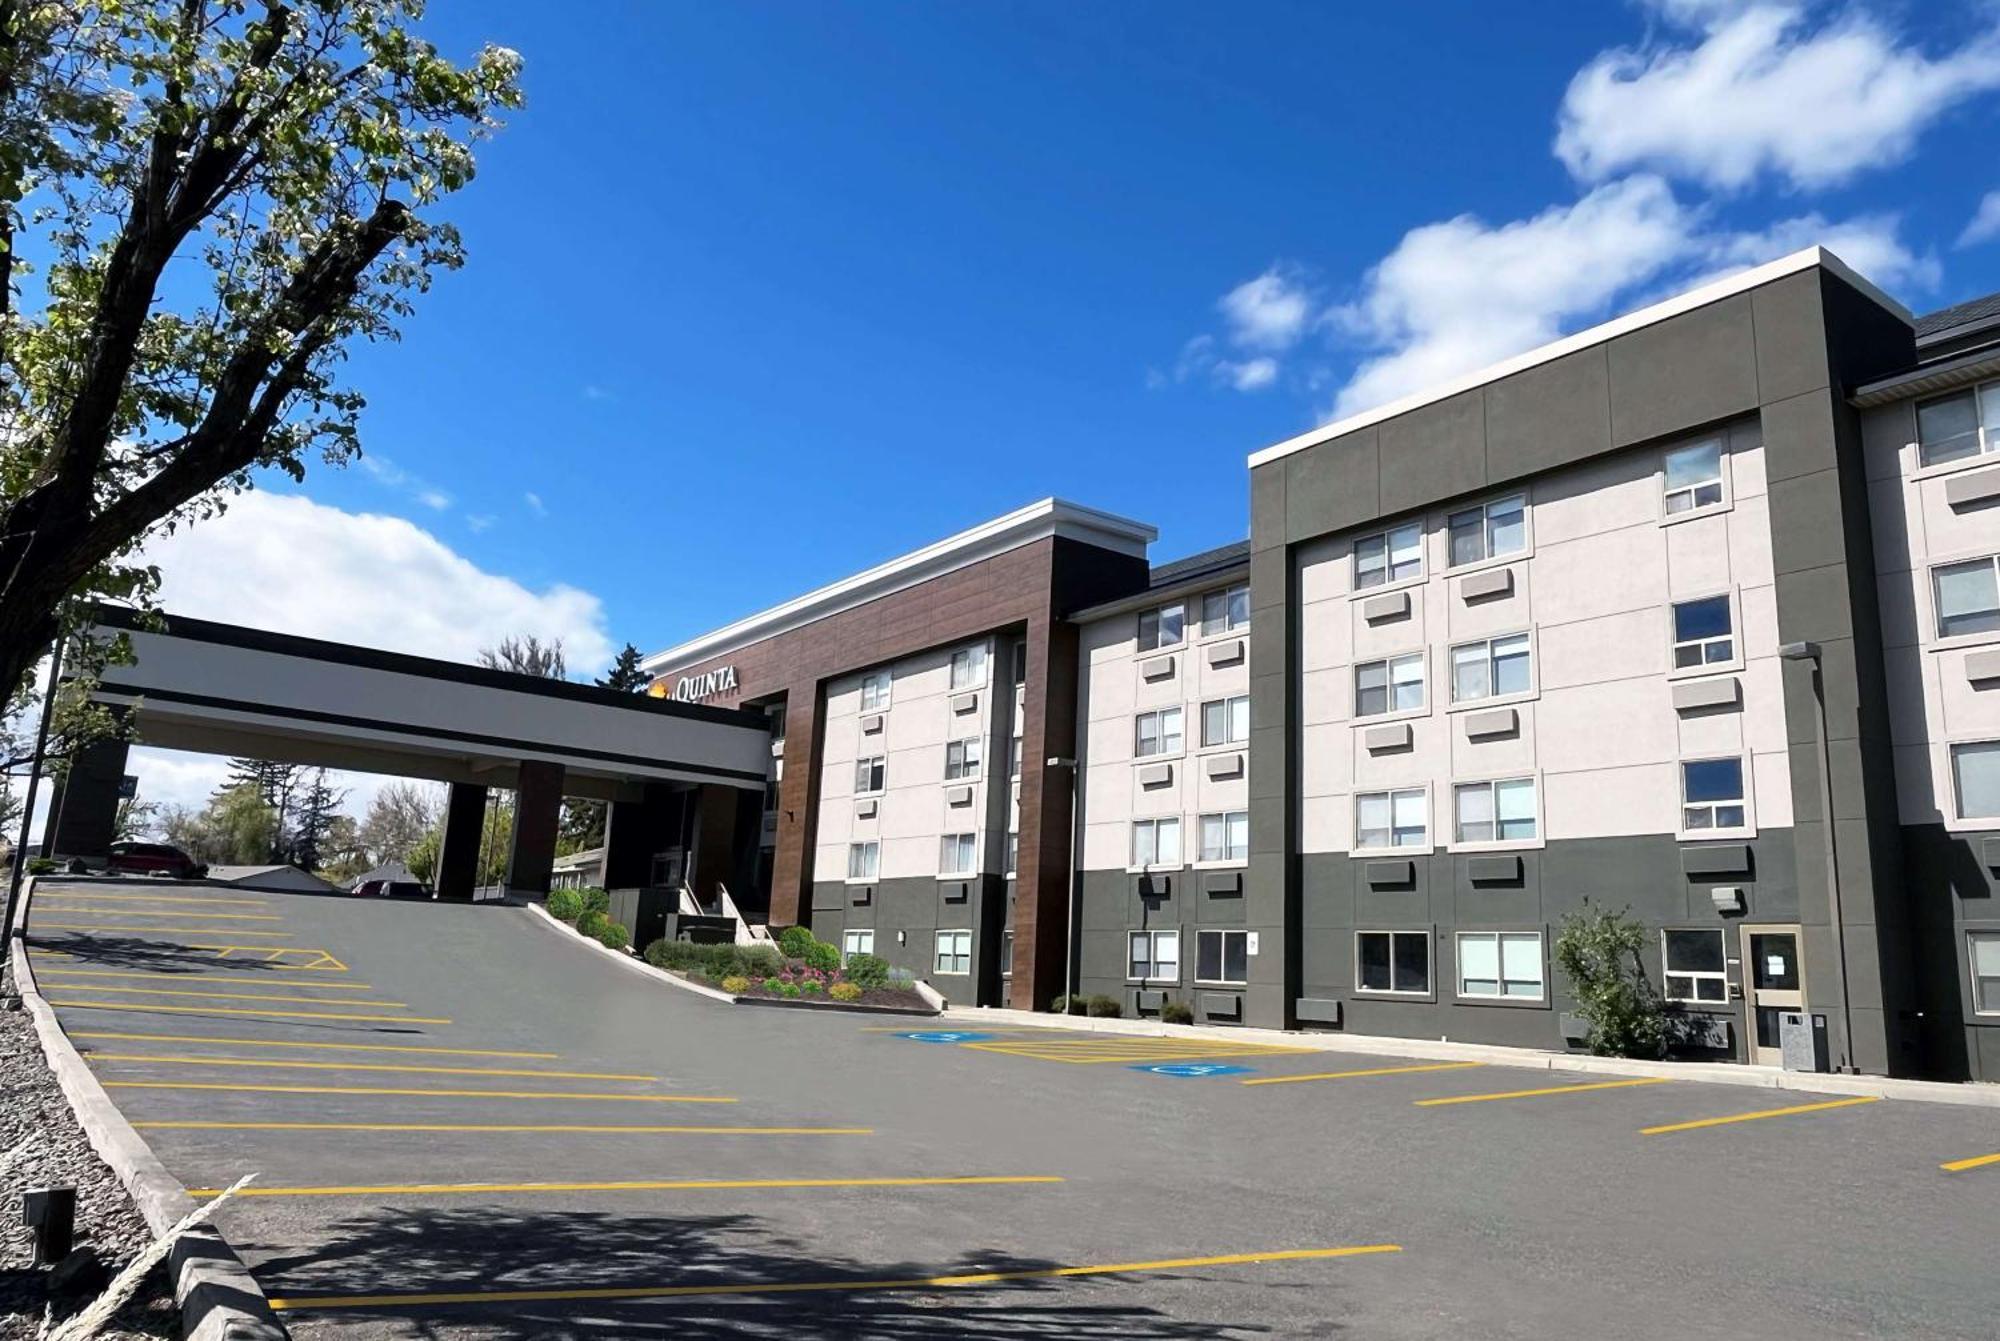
133	952
436	1250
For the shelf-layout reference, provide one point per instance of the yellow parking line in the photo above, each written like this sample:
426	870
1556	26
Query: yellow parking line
1371	1071
278	1043
442	1094
288	1064
1976	1162
160	975
168	912
662	1185
93	926
156	898
962	1280
236	996
321	961
1762	1113
262	1014
570	1127
1535	1094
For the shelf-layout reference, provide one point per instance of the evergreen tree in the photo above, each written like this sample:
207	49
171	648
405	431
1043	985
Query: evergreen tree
317	808
625	674
275	784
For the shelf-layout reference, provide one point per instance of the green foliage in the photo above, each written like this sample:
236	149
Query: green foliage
715	961
811	987
796	942
613	935
772	984
422	859
845	991
1071	1005
43	866
625	675
736	984
823	957
1176	1012
590	922
1104	1008
565	905
790	990
594	900
1598	952
866	971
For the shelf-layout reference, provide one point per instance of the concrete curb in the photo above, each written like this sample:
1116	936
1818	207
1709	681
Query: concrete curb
1715	1073
218	1297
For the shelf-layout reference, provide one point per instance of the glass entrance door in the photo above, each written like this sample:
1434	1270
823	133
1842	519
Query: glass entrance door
1774	980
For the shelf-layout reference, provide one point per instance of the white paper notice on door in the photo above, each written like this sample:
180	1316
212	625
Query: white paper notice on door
1250	943
1774	966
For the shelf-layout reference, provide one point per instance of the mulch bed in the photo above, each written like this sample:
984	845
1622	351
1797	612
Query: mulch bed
58	1154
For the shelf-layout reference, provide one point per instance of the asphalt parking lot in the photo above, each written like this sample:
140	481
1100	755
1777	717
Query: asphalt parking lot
466	1124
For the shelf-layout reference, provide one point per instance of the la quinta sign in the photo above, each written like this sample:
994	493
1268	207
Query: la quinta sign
697	688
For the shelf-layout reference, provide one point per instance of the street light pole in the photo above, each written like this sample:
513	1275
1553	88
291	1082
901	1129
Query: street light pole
1071	951
1810	652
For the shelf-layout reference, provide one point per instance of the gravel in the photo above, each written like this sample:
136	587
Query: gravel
58	1154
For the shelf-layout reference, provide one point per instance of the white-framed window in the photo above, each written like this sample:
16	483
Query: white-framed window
1501	811
1391	819
1490	531
1695	966
870	774
1693	477
961	758
1153	956
1712	794
1491	668
954	952
875	691
1959	427
1014	758
1394	555
958	854
968	667
1968	597
1704	632
1983	948
1975	779
1225	721
1157	732
1392	685
1227	610
1222	957
1007	953
1013	853
1225	836
1156	842
1504	964
1164	627
1396	963
864	860
860	941
1020	659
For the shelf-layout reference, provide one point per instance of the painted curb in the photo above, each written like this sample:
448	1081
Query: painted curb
1970	1095
219	1299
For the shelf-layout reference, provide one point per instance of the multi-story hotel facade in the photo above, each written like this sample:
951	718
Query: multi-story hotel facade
1619	624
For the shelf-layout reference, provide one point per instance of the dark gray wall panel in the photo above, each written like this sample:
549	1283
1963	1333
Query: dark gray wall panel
1332	485
1697	368
1437	450
1791	340
1549	416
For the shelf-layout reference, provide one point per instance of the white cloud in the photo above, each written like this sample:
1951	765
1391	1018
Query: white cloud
1985	225
390	475
1764	90
1253	374
173	778
535	504
1871	243
1269	312
435	499
477	522
1200	358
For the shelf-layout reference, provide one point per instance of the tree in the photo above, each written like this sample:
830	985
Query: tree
496	840
280	162
527	656
344	857
236	828
276	783
318	806
397	820
136	819
1598	952
625	675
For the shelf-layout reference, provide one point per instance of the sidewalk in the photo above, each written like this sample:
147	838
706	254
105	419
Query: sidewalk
1716	1073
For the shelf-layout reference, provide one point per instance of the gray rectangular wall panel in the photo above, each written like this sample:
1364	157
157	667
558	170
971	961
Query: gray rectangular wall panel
1791	337
1438	451
1693	369
1332	486
1549	416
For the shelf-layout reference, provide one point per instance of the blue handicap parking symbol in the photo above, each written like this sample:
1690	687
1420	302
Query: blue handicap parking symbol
944	1036
1191	1070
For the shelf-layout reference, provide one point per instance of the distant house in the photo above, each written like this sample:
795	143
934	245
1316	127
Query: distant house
279	879
579	870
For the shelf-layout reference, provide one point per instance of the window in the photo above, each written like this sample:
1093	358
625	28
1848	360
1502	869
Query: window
1984	947
958	854
961	759
1694	477
1495	812
1153	956
1489	530
1007	953
1500	963
1694	966
1704	632
1020	664
1392	556
856	943
870	775
1975	779
1222	957
1156	842
1225	721
1013	853
1391	819
1490	669
1162	627
1392	961
1959	427
968	667
1227	610
954	952
1712	794
875	691
1157	733
1014	758
1395	685
1968	597
863	860
1226	837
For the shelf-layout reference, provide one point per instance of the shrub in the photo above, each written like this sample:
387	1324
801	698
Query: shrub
1598	951
590	922
796	942
595	900
565	905
844	991
789	989
613	936
1069	1005
1103	1008
43	866
812	987
773	984
760	961
736	984
1059	1006
823	957
867	971
1176	1012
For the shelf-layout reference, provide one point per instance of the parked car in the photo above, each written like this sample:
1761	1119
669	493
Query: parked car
391	889
161	859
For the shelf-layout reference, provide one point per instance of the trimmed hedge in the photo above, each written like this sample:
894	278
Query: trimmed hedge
845	991
796	942
1104	1008
591	922
595	900
866	971
1177	1012
715	961
565	905
613	936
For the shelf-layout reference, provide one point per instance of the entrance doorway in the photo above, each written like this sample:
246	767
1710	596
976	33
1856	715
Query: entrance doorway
1774	980
670	868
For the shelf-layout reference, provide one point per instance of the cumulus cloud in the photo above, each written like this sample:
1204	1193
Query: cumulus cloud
1269	312
1985	224
1765	90
1202	359
1871	243
535	503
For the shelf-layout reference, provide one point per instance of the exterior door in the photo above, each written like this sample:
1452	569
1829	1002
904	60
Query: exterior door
1774	980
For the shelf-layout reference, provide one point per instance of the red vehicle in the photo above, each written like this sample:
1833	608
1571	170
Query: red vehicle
162	859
